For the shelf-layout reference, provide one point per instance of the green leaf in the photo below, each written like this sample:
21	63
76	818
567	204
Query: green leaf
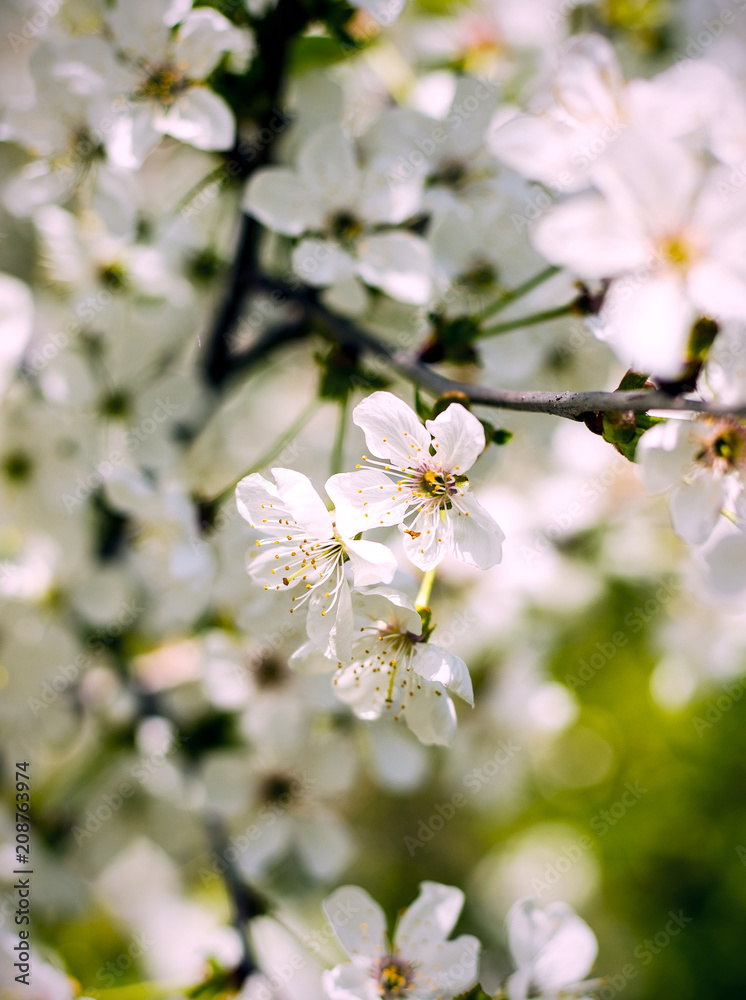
315	51
496	435
475	993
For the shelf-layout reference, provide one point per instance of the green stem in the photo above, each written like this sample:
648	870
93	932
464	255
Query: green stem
517	293
426	586
272	452
339	441
532	320
141	991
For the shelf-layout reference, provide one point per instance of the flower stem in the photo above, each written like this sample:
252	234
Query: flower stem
272	452
337	458
426	586
517	293
532	320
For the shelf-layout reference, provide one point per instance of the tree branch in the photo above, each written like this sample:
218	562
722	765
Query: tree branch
572	405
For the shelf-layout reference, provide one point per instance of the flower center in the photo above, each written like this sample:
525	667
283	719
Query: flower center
675	250
163	84
726	447
395	977
345	227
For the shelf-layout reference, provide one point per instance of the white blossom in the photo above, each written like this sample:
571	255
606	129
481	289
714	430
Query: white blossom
422	486
553	949
418	962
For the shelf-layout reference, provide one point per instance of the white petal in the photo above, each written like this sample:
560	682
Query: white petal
537	148
299	496
201	40
647	322
201	118
588	81
358	922
435	664
371	562
696	506
430	918
331	626
585	235
458	438
366	499
665	454
387	198
431	716
392	429
16	324
450	967
568	955
428	539
327	167
322	262
276	197
727	564
476	538
352	981
254	495
398	762
399	264
324	845
718	289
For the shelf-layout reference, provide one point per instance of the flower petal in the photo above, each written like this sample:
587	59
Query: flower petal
458	438
429	920
276	197
476	537
435	664
322	262
399	264
358	922
201	118
431	716
695	507
371	562
366	499
428	539
392	429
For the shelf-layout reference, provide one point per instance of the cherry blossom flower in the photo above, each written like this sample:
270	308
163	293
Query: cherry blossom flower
702	462
395	669
553	949
348	212
422	487
418	962
568	136
674	247
166	91
308	546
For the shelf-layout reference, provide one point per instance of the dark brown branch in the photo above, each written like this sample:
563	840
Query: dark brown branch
572	405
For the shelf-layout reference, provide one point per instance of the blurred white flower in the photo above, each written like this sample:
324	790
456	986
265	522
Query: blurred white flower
166	92
348	211
553	949
674	246
418	962
424	483
702	462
